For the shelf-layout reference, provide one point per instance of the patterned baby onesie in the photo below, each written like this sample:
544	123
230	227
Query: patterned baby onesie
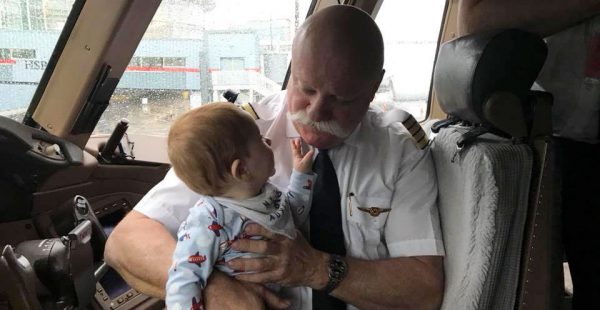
204	239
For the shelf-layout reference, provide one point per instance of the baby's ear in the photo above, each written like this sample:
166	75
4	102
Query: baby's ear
239	170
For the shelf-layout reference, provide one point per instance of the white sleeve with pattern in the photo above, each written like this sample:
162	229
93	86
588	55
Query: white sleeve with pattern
299	195
196	252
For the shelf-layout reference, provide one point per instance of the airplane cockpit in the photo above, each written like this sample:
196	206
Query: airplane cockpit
89	88
57	258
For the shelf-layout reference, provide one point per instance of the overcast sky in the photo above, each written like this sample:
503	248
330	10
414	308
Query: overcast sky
238	12
400	20
417	20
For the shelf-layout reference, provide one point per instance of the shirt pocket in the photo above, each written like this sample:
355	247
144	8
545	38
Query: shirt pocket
367	216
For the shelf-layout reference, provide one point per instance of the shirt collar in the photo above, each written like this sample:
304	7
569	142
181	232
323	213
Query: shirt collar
352	139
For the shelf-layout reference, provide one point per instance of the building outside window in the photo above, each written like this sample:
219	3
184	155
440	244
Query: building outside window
232	63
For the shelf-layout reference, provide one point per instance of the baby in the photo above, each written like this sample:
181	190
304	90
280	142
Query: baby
217	151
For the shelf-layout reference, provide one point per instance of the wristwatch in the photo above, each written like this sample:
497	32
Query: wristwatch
337	272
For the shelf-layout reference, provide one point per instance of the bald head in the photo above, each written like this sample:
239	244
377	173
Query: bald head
344	35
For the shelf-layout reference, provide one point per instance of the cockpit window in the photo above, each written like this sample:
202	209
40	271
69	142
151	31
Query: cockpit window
195	50
410	32
29	30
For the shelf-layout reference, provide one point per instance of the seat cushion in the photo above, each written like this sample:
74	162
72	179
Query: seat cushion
483	198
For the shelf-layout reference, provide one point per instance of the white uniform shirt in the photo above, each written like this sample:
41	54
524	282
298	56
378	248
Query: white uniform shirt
378	166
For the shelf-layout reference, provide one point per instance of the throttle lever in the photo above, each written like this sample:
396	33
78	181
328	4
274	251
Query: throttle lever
57	272
16	270
83	211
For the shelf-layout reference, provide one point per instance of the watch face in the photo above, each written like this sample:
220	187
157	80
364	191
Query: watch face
337	272
338	266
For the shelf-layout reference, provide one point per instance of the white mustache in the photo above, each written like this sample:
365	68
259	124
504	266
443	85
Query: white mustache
331	127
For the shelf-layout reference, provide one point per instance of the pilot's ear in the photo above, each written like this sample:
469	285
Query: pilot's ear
381	76
377	83
379	79
238	170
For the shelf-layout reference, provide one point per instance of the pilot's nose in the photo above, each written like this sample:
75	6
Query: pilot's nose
319	109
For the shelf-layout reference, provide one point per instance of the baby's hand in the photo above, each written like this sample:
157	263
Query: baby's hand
302	162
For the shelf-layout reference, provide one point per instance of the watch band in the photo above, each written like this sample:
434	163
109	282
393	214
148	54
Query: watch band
337	272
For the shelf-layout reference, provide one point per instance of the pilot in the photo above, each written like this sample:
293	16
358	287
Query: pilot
572	74
375	239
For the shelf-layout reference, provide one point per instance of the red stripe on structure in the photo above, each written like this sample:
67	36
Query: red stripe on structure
8	61
245	69
168	69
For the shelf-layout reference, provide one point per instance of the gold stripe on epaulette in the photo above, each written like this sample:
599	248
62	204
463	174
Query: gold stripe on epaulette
248	108
416	131
422	143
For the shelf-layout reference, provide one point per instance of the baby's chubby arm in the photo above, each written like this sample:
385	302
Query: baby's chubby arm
299	195
302	162
196	253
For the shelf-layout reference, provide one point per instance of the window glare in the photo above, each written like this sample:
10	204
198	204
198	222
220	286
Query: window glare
410	32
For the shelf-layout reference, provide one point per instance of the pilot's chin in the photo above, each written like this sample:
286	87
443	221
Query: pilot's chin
324	141
316	138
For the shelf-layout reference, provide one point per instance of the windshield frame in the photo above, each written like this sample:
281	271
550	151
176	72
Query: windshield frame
56	53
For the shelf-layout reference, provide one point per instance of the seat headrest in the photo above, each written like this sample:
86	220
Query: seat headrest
472	68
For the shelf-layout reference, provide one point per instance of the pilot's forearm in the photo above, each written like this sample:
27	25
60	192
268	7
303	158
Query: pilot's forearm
543	17
397	283
141	250
141	285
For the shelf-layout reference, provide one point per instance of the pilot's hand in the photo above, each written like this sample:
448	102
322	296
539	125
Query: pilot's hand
285	261
224	292
302	162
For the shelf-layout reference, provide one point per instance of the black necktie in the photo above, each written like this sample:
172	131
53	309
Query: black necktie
326	222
